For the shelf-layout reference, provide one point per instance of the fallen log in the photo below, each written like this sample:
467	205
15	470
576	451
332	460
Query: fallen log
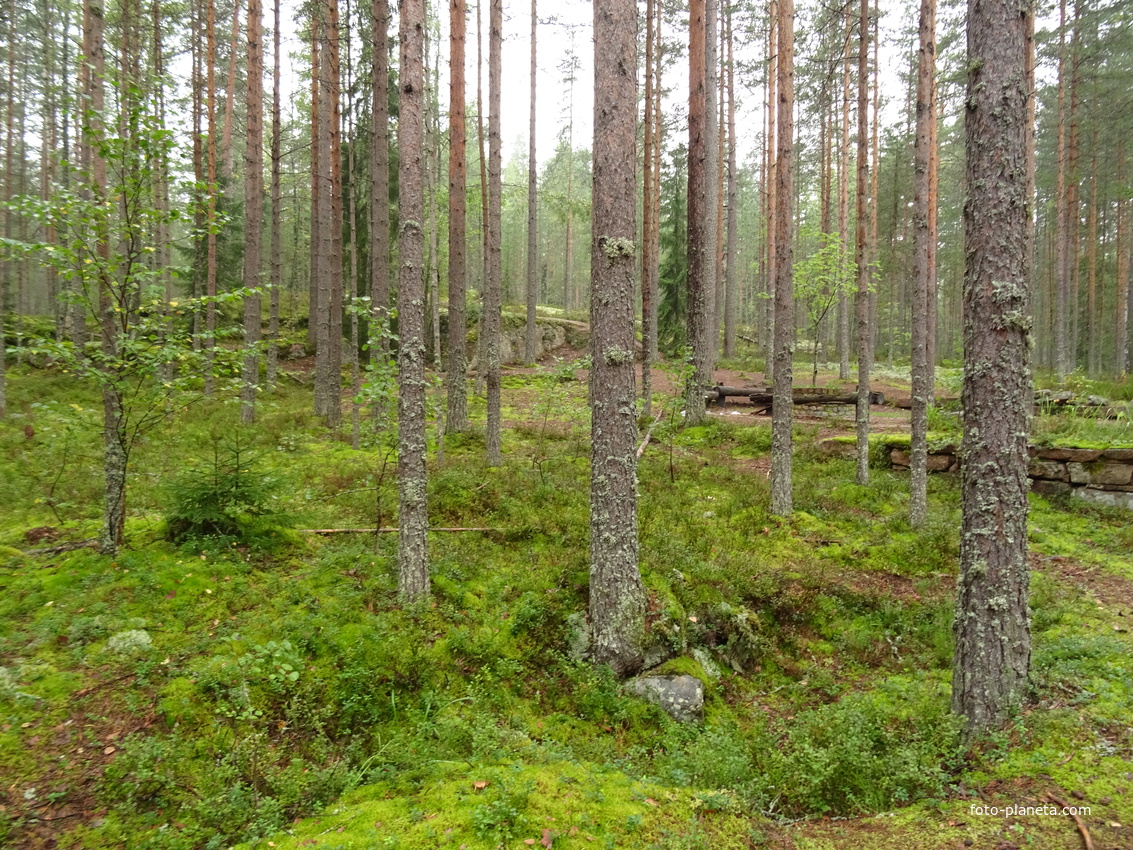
765	400
721	393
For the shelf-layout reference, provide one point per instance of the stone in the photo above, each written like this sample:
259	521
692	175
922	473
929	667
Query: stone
1100	473
1109	498
939	462
1049	469
1118	454
1079	455
899	457
1049	488
681	697
296	352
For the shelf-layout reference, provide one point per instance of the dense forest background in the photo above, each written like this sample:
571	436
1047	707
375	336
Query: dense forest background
183	68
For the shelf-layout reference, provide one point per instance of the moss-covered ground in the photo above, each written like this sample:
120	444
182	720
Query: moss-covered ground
266	689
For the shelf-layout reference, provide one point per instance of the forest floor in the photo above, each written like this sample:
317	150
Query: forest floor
266	686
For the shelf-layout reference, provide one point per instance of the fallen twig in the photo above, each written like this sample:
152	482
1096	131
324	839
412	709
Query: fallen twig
649	432
64	547
382	530
1086	840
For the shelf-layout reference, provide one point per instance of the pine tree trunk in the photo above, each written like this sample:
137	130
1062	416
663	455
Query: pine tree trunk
1063	360
211	260
861	302
771	184
699	308
844	200
456	383
313	315
413	520
276	211
253	213
784	339
648	329
1121	282
492	290
731	296
922	236
230	100
532	210
711	188
1092	265
991	627
655	236
617	596
379	184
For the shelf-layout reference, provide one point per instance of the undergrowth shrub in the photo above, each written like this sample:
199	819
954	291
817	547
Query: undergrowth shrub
229	496
868	752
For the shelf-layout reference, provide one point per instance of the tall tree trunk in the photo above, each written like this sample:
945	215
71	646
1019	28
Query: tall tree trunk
699	307
413	519
253	212
861	302
211	260
314	318
711	187
1073	213
844	198
492	290
617	596
457	385
771	186
230	99
655	236
1063	359
732	247
648	330
922	235
992	627
379	184
1121	326
328	354
1092	265
784	340
532	211
276	209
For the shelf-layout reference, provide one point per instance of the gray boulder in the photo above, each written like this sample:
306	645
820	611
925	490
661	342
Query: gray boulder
681	697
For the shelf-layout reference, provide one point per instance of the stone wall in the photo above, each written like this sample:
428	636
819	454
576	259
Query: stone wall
1101	476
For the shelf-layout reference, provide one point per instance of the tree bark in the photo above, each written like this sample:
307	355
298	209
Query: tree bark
648	329
922	236
1063	361
253	213
991	627
861	301
379	183
617	596
784	337
699	308
457	385
732	245
276	211
844	199
413	520
711	186
210	268
1121	327
492	290
532	209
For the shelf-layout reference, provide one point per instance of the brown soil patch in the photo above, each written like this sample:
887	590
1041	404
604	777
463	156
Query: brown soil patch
1109	590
